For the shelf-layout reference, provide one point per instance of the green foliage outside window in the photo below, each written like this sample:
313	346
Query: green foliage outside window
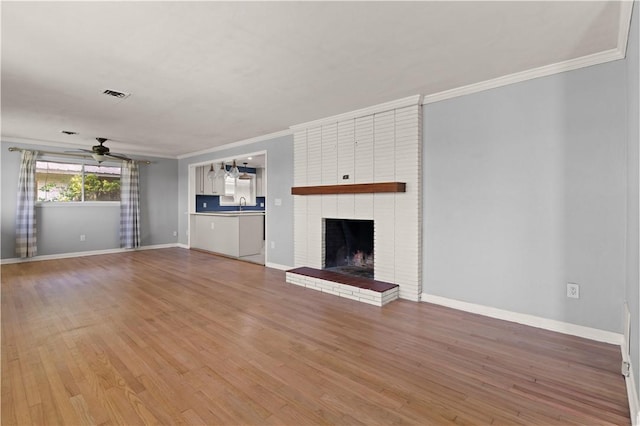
63	182
95	189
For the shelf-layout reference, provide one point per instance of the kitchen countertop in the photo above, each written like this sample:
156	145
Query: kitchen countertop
233	213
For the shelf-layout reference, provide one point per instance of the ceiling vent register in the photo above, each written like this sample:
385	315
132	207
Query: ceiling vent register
116	94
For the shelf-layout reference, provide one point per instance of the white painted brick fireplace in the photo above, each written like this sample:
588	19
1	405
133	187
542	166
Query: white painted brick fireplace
373	145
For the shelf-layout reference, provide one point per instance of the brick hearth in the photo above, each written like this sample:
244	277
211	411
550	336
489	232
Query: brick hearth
365	290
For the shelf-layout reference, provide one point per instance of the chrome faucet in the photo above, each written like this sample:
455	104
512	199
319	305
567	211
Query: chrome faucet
245	202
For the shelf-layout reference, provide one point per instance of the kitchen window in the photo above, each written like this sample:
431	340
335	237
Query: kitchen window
73	182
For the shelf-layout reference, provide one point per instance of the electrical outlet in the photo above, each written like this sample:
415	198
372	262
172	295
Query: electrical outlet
261	204
213	225
573	290
83	237
273	244
204	205
175	233
277	201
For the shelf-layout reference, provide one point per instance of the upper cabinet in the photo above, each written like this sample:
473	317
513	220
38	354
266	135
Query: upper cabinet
200	180
206	186
260	182
232	191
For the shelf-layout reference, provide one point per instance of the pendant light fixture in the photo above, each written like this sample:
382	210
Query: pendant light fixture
245	175
212	174
220	172
234	172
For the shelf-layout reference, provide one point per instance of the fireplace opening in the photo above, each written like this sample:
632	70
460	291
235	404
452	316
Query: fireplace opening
348	247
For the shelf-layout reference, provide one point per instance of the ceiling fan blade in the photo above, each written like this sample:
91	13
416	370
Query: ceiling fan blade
81	150
116	155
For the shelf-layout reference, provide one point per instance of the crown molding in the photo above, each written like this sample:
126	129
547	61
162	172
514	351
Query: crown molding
236	144
28	141
572	64
619	52
387	106
624	25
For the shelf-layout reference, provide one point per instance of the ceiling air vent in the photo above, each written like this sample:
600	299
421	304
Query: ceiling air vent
68	132
116	94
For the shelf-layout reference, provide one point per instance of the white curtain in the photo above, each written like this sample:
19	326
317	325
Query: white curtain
25	211
129	205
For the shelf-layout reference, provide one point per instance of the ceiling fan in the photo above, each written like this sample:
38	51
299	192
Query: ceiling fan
101	152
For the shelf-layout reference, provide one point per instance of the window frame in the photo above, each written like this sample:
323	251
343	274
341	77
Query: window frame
83	163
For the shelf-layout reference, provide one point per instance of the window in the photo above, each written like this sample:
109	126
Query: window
64	182
239	190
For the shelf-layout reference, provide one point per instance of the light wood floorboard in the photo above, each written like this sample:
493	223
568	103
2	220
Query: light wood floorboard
174	336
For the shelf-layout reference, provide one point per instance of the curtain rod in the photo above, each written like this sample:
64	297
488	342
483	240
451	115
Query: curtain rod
66	154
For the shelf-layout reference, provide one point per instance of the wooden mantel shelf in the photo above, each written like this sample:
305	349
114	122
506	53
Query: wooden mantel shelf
357	188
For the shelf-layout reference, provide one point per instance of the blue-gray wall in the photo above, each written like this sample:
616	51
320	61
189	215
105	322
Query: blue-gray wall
525	190
59	227
526	187
632	293
279	175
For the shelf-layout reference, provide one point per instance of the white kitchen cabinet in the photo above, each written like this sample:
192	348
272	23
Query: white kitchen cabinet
214	186
234	235
199	234
206	186
260	182
200	180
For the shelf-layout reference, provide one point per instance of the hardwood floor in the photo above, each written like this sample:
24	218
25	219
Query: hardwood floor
175	336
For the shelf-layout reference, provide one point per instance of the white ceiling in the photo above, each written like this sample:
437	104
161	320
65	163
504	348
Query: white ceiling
205	74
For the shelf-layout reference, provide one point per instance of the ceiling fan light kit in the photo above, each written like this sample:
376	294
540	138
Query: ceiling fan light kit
102	153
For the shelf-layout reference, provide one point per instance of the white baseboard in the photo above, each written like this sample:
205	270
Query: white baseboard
82	254
278	266
534	321
184	246
632	393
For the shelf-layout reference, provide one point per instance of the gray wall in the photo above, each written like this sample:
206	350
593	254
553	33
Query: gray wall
279	172
525	190
632	293
159	201
59	227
